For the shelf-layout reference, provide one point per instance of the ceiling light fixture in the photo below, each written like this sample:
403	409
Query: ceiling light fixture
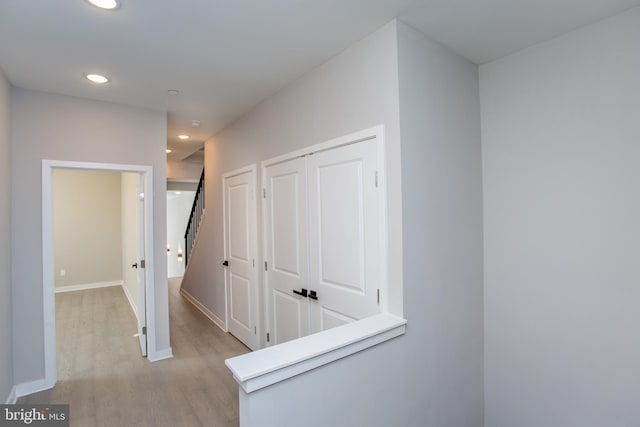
105	4
173	92
168	151
183	137
97	78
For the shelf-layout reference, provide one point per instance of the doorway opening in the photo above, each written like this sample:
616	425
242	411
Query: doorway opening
136	184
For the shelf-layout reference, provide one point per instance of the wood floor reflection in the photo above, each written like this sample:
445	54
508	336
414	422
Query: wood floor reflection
103	377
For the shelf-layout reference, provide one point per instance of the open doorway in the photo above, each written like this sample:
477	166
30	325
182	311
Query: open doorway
136	243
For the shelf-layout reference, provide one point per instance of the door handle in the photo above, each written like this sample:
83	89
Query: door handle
313	295
302	292
225	263
134	265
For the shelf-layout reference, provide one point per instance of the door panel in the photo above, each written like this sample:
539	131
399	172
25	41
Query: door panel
344	238
287	312
240	289
331	319
286	249
239	221
141	288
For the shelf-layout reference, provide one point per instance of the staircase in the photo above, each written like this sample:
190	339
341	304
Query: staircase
195	218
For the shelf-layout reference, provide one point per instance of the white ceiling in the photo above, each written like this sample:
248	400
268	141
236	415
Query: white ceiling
226	56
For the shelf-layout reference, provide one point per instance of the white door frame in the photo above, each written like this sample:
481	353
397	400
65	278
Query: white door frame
256	297
49	314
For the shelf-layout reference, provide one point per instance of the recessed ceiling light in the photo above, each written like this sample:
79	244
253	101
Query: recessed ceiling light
173	92
178	192
168	151
97	78
195	123
105	4
184	136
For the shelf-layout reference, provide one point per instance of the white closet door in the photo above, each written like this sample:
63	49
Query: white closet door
344	234
286	250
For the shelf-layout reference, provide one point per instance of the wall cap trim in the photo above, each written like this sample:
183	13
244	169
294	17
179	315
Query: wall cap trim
263	368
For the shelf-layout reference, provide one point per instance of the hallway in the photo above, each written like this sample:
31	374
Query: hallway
107	383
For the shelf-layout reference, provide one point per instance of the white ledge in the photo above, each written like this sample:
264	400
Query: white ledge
270	365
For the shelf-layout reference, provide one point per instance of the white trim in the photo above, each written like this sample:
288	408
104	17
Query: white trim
132	303
48	303
263	368
376	132
12	398
86	286
255	297
197	304
31	387
155	356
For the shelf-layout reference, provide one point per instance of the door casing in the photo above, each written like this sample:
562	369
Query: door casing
48	254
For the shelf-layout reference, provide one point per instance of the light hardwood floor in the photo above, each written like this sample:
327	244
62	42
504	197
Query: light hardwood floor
107	383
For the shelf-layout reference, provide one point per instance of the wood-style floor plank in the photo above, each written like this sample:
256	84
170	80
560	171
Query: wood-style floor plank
107	383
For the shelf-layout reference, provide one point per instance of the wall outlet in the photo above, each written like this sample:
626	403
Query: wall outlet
63	272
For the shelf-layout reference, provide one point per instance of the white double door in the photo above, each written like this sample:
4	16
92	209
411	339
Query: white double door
323	240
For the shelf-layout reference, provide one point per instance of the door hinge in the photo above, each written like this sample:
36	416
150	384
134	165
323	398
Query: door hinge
144	330
254	263
265	266
267	336
143	263
255	330
378	296
264	193
376	179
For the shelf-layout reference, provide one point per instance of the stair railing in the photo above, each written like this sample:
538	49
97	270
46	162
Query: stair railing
195	217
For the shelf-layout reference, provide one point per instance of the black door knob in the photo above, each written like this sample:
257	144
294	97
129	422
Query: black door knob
302	292
226	263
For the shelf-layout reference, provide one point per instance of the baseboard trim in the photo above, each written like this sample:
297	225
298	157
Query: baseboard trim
31	387
85	286
12	398
155	356
197	304
133	305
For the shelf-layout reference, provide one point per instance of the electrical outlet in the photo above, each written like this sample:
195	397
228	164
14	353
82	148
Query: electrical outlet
63	272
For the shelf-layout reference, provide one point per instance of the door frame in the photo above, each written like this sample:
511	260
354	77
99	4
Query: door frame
48	281
256	298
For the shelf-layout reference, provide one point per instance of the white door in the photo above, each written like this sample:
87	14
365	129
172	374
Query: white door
286	250
345	234
239	235
141	288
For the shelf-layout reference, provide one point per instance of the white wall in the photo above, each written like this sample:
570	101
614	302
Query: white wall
178	210
353	91
442	233
6	365
561	156
130	202
432	376
47	126
86	227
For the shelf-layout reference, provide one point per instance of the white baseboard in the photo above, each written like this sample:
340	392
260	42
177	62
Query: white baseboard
197	304
132	303
86	286
155	356
31	387
11	399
